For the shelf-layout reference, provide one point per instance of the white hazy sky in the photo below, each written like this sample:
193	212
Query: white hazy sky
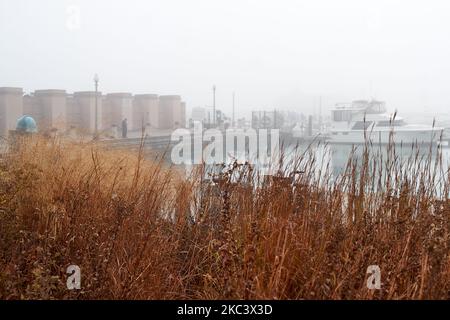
281	53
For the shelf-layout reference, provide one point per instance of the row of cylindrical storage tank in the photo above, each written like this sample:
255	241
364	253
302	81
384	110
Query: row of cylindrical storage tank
55	109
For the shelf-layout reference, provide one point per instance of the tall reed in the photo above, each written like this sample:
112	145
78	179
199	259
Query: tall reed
139	229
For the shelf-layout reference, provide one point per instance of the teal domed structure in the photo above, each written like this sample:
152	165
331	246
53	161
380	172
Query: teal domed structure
26	124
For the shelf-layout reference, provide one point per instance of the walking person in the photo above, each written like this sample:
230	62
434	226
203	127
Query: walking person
124	128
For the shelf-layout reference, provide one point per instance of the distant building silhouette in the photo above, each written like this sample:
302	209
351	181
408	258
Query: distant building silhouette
56	110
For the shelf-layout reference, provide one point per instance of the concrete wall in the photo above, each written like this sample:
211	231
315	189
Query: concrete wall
55	109
182	114
29	108
11	108
116	107
145	111
73	112
52	107
83	111
170	112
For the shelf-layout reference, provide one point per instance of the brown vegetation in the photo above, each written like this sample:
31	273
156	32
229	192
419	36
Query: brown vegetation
139	231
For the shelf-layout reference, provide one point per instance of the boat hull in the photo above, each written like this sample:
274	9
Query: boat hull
386	137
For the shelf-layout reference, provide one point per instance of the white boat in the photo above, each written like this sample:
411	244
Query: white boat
362	120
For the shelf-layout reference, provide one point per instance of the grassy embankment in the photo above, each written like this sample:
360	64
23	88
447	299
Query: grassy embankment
107	211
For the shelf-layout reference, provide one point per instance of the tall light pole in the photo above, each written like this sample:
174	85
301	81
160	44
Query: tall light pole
96	79
214	105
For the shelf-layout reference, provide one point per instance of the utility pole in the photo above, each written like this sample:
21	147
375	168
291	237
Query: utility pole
96	79
233	123
214	105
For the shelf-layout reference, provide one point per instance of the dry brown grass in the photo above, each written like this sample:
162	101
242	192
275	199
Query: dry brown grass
140	231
